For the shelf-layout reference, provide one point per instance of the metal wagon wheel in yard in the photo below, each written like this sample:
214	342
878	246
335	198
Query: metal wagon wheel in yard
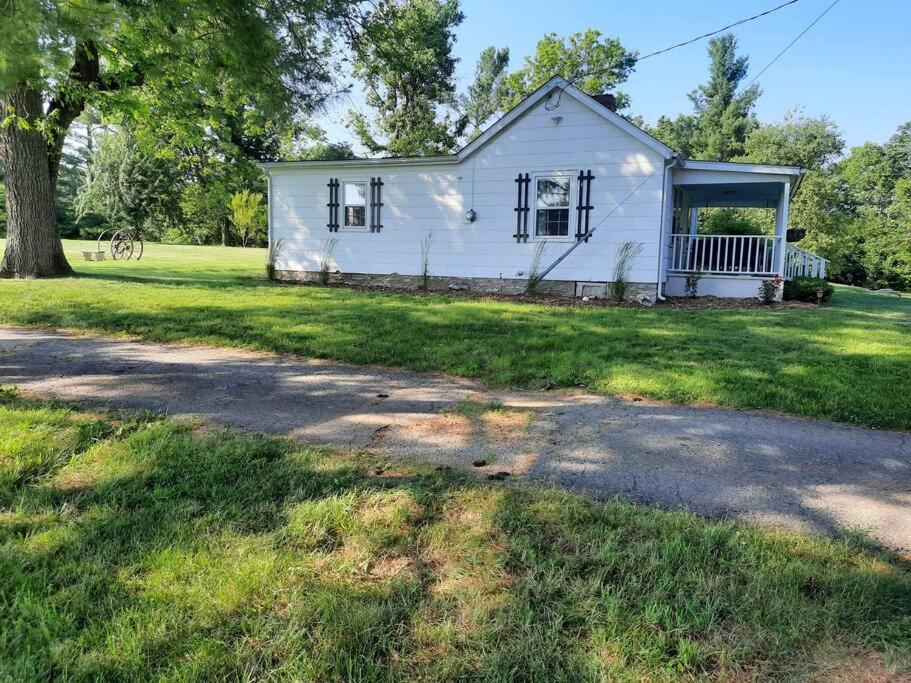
124	244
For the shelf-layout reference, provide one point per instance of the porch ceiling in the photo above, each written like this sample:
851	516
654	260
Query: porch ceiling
740	194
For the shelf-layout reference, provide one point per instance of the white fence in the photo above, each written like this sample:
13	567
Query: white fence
741	254
802	263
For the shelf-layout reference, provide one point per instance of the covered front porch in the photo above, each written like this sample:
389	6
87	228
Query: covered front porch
732	264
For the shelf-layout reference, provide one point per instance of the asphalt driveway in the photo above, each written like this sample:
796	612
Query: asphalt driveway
809	475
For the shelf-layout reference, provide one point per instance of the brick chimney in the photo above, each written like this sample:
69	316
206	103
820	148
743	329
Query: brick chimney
606	100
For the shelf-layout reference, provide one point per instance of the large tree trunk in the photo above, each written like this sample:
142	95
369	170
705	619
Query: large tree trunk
33	246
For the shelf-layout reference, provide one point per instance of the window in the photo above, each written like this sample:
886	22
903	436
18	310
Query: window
552	206
355	205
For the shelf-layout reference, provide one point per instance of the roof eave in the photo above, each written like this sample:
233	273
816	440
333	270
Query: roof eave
357	163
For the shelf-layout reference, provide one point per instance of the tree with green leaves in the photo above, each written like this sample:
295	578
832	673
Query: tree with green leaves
309	143
403	56
486	92
593	63
248	214
811	143
722	117
130	186
169	62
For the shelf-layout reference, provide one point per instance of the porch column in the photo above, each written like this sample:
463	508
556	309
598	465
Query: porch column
781	228
694	220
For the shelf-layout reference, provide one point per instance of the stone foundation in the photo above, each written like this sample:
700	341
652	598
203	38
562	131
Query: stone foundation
477	285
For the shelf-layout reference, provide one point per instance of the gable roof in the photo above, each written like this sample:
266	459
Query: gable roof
568	88
544	92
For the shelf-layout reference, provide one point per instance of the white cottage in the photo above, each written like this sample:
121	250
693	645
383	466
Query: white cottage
561	168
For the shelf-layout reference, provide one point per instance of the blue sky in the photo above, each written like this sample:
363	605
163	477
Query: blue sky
854	65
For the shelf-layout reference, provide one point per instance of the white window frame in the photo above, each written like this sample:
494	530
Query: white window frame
533	200
342	204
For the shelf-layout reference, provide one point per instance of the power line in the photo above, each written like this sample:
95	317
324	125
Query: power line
636	60
591	232
762	71
789	45
712	33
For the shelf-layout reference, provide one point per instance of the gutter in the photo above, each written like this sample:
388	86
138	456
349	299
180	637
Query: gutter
676	160
800	174
343	163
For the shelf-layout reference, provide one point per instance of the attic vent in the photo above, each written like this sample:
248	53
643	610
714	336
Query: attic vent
606	100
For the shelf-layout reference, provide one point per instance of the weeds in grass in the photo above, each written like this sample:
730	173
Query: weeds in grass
474	408
275	250
534	271
691	284
623	264
325	263
425	261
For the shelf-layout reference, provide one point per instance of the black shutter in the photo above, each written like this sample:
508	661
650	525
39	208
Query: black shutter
376	203
522	183
585	205
333	205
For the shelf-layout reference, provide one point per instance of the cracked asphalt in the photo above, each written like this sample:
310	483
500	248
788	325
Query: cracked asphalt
802	474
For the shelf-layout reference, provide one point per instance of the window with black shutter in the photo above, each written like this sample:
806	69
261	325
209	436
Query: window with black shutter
376	204
522	183
333	205
584	207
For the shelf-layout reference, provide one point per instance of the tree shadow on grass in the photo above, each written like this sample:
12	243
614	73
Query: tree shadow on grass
163	550
216	280
793	361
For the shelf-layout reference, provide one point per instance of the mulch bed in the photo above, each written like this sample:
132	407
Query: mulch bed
701	303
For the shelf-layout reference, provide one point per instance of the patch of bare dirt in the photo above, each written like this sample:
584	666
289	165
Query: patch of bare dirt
859	667
388	568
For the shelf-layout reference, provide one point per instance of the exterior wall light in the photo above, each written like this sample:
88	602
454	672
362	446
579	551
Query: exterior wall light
470	215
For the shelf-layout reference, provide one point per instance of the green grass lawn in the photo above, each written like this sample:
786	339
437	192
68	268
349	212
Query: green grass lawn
848	361
134	547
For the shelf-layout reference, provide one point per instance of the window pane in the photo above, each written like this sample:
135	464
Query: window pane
552	223
355	216
355	193
553	192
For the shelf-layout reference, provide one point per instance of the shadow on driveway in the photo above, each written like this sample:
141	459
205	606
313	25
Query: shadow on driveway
814	476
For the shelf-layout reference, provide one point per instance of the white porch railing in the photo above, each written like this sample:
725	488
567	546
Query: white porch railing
724	254
802	263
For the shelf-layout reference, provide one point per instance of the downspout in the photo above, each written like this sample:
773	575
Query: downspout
268	173
675	161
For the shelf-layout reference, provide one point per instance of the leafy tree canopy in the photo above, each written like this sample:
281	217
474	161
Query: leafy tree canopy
487	91
171	62
811	143
403	55
722	117
594	64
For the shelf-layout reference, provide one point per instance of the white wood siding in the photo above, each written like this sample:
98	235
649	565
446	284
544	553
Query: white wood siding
434	197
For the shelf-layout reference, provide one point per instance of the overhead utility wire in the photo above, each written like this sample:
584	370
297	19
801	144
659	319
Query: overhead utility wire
636	60
591	232
790	45
639	186
712	33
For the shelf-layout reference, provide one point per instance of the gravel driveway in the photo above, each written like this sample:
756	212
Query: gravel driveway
803	474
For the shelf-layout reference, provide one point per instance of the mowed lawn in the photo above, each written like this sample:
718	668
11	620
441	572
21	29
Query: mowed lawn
848	361
134	547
